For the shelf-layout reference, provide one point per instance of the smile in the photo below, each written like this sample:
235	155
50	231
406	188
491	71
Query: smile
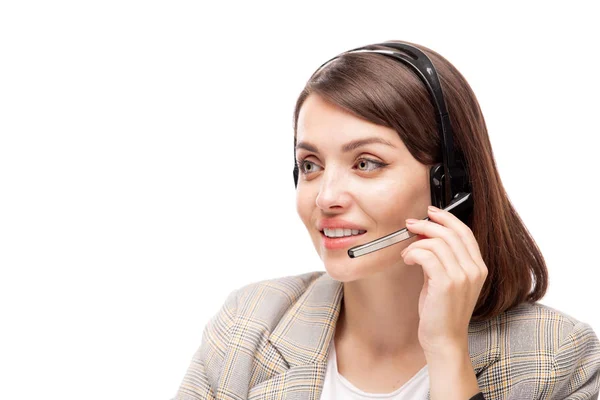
340	232
341	242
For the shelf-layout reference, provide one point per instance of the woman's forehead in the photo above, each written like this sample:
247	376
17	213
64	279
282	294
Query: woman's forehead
321	123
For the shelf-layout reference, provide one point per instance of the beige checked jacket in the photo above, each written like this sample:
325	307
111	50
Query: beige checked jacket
270	341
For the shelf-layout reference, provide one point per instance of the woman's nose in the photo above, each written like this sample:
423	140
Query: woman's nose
333	191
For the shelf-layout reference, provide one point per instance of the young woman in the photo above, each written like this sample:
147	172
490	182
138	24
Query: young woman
449	313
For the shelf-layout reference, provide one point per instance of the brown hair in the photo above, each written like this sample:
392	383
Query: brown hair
383	91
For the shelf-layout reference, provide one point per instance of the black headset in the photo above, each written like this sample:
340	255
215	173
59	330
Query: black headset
449	178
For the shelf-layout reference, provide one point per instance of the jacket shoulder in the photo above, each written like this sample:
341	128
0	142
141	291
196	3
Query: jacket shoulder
531	311
544	353
266	301
246	317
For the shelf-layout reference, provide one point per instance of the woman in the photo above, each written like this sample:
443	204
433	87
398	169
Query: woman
450	313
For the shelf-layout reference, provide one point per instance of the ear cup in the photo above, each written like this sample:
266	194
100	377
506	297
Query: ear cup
436	185
295	175
296	171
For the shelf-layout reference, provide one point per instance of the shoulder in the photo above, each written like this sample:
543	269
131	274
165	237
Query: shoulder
248	314
538	311
290	287
535	320
546	353
545	330
267	300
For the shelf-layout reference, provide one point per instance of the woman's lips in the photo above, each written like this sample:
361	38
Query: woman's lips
339	242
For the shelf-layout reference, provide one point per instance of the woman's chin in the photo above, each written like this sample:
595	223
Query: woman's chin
346	270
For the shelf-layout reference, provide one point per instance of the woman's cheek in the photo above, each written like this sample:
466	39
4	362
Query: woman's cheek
305	205
386	197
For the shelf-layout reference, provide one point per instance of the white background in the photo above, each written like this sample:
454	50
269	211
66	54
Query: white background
146	164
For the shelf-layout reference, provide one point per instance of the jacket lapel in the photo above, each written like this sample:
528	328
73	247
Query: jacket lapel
302	338
303	335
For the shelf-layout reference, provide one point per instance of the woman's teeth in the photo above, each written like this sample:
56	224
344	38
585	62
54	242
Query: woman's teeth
339	232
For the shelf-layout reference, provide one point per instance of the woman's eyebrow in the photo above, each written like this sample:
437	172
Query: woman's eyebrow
353	145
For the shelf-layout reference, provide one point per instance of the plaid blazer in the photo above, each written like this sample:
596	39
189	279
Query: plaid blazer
270	341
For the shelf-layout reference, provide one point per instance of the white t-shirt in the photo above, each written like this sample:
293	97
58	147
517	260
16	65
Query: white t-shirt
339	388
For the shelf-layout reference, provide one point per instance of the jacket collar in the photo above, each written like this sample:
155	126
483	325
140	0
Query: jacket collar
303	335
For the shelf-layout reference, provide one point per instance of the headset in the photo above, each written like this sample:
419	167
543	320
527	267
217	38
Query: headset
450	185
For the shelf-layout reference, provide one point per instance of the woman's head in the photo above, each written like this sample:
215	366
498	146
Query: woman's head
358	176
377	186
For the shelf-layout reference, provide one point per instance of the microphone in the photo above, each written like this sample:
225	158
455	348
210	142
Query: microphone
461	206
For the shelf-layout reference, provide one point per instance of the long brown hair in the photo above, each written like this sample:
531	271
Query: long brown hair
383	91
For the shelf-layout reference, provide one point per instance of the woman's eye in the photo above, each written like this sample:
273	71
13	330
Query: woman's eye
307	167
363	165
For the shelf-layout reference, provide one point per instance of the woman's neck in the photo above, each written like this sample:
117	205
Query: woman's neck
379	314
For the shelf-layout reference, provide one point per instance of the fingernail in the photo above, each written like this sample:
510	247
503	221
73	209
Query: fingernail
433	209
412	221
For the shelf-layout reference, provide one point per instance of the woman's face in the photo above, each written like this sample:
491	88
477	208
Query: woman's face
343	183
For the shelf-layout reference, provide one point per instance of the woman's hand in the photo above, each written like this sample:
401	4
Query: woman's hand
454	274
